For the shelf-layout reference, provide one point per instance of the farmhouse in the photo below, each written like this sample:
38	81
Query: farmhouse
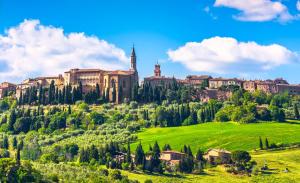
218	156
171	158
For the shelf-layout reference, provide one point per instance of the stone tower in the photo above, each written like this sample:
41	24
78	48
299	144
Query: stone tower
157	72
133	60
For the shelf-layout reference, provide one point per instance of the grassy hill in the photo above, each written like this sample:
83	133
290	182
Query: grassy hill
231	136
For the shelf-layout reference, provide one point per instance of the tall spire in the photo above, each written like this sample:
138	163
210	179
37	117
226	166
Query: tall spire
133	59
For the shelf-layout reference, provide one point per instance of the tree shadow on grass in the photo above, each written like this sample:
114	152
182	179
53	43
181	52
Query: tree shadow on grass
291	122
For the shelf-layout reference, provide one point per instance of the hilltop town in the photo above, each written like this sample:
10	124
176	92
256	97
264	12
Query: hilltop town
117	85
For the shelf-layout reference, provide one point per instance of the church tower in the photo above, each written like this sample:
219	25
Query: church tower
157	72
133	60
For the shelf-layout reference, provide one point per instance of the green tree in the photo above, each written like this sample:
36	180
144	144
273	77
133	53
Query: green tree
267	143
296	111
139	155
128	154
260	143
12	119
14	142
240	157
5	142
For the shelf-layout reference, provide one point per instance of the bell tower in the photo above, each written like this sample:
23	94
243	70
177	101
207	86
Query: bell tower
133	60
157	72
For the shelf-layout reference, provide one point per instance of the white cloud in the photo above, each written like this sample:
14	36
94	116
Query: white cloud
258	10
298	5
31	49
227	55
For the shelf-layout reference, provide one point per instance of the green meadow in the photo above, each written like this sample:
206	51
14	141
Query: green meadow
229	135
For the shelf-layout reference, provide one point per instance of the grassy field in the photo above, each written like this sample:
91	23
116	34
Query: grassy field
230	136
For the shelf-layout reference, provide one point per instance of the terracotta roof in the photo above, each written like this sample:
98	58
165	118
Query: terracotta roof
198	77
120	72
50	77
158	78
175	152
84	70
219	150
225	79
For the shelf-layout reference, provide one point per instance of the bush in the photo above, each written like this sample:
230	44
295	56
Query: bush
116	175
148	181
222	116
125	166
104	172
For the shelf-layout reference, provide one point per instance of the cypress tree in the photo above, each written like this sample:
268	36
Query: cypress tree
12	119
5	142
74	95
128	155
97	91
15	142
139	155
267	143
18	157
107	95
114	94
69	110
260	143
40	101
296	111
155	155
80	91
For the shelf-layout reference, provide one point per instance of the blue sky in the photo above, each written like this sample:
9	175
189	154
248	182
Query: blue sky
263	37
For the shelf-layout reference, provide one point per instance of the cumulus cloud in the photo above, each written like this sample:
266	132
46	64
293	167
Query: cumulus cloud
32	49
258	10
227	55
298	5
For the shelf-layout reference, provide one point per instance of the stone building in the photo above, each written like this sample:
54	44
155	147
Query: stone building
291	89
195	81
119	81
208	94
216	83
278	85
218	156
171	158
39	81
6	87
157	79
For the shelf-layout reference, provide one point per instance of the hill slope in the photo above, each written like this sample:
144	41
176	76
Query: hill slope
231	136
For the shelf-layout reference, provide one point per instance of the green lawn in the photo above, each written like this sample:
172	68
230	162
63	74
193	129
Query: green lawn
230	136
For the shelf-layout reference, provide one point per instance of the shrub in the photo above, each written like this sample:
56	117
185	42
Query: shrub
116	175
104	172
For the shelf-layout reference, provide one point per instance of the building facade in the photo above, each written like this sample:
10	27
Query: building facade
5	88
216	83
157	79
118	82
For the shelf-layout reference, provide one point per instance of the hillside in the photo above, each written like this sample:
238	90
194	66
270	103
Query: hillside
231	136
